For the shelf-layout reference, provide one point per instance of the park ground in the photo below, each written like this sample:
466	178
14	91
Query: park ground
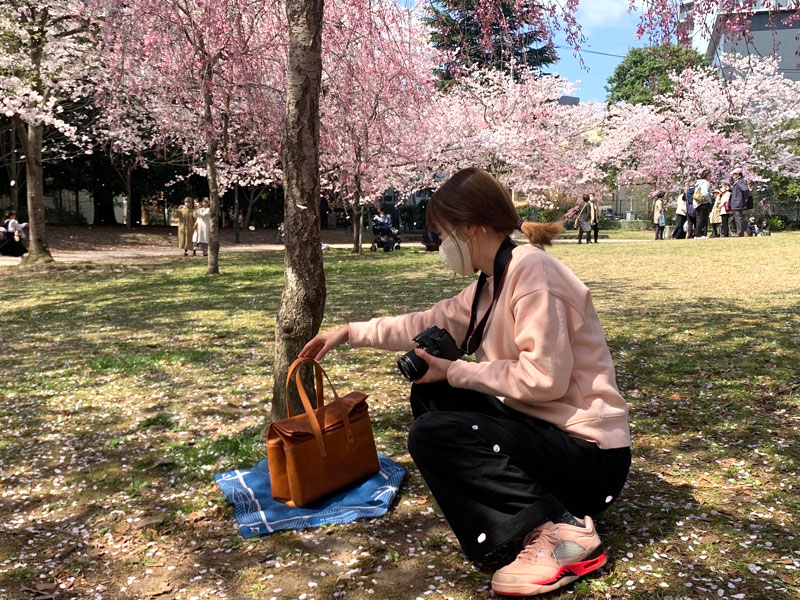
127	386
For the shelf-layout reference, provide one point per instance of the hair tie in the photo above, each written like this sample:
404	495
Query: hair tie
519	224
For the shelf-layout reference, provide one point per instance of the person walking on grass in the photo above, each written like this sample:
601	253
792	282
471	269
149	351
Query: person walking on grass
659	218
202	228
185	216
738	202
586	218
597	216
703	201
523	446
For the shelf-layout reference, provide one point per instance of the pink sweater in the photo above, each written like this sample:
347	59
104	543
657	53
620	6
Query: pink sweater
544	352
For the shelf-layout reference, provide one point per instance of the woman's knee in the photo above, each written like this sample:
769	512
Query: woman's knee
425	436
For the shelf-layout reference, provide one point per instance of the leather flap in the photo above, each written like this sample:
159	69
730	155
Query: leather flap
299	426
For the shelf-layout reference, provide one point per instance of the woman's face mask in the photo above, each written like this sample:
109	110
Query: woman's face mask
455	254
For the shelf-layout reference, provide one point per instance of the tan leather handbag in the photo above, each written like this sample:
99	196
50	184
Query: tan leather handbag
321	451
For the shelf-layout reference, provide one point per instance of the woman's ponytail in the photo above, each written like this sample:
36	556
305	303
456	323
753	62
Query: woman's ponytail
541	234
473	197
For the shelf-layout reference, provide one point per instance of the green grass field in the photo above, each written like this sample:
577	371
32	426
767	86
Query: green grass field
126	387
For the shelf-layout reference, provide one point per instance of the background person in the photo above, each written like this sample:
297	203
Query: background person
202	227
10	245
703	200
659	219
185	216
752	228
14	228
716	214
597	216
738	202
680	217
726	209
535	433
586	217
691	214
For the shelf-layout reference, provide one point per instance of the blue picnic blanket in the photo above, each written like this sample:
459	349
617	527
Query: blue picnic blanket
258	513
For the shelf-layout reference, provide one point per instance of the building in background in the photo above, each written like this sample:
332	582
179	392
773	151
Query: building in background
771	32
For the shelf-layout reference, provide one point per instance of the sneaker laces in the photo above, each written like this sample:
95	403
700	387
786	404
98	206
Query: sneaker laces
537	542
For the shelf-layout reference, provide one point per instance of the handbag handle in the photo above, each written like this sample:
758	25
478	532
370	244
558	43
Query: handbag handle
315	420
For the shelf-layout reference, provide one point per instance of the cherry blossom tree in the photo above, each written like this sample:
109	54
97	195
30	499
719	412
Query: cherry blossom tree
194	63
708	121
47	60
377	74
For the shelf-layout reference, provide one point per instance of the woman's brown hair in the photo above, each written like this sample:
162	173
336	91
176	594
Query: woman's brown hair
473	197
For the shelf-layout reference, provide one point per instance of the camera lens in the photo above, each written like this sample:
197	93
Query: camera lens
412	366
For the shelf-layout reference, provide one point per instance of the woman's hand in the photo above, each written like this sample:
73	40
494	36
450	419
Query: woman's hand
321	343
437	367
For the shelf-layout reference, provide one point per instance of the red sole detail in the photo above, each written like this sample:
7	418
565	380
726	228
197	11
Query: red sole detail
579	569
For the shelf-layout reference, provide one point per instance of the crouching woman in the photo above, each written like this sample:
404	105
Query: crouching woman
522	446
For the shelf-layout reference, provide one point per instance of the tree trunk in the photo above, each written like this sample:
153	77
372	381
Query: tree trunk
102	192
13	169
32	147
303	298
357	224
251	199
211	176
128	196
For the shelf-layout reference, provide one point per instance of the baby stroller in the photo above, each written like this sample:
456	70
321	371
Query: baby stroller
383	236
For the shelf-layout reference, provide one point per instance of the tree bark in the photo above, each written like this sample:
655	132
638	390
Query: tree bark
251	200
34	182
303	298
13	169
211	176
357	225
128	196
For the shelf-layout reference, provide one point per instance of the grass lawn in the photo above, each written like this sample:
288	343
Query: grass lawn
125	388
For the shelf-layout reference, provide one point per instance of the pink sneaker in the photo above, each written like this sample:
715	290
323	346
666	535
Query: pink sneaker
554	555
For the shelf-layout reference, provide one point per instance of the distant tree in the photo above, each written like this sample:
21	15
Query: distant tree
645	72
507	44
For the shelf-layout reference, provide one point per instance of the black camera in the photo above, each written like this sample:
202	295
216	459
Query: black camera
436	342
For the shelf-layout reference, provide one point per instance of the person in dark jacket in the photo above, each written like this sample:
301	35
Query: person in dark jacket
691	214
738	202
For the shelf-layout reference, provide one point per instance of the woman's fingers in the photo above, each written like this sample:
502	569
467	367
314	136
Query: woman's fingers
311	348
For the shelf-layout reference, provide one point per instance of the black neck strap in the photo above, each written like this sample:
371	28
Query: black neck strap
502	259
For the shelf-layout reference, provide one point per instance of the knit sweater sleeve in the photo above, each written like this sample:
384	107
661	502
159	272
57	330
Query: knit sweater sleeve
542	371
397	333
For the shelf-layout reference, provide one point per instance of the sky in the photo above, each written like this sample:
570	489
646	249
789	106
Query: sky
608	29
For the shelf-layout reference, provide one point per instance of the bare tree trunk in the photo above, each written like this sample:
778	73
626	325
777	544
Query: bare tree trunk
32	147
303	298
357	224
211	175
251	199
12	170
128	196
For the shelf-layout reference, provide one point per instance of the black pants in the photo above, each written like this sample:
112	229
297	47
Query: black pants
588	235
717	227
692	222
702	219
497	473
659	231
726	232
738	218
596	229
679	233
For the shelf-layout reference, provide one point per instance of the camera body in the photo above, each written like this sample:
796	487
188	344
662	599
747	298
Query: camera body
436	342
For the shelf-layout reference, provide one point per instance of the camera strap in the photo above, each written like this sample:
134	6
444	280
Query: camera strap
502	259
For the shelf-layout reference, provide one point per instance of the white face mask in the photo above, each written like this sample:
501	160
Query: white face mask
455	254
